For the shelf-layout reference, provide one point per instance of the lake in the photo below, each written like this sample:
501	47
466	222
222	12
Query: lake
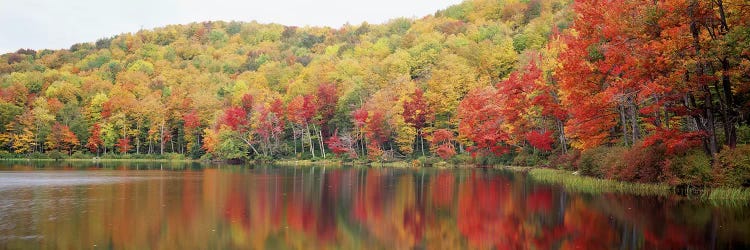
165	206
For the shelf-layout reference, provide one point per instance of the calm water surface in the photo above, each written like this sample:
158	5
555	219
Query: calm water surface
137	206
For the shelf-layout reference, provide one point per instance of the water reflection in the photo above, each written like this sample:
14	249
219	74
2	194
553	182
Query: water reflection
304	208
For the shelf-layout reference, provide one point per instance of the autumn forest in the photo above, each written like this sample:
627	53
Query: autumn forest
642	91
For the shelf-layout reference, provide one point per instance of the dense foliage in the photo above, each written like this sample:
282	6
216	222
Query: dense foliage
236	90
535	81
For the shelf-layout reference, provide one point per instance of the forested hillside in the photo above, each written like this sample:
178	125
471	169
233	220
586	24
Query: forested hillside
633	90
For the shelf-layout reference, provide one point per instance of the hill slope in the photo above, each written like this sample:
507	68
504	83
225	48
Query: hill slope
158	90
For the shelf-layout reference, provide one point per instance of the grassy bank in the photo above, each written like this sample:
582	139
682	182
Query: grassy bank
591	185
727	194
585	184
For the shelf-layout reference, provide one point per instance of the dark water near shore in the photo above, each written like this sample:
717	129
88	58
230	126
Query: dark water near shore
157	206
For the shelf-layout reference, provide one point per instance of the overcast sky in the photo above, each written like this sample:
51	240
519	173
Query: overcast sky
56	24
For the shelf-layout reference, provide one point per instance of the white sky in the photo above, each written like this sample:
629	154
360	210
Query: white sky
56	24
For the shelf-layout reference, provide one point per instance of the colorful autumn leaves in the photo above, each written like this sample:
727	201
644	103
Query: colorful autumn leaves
650	73
518	112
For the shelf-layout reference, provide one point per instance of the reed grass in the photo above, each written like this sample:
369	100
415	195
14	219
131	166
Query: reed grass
585	184
727	194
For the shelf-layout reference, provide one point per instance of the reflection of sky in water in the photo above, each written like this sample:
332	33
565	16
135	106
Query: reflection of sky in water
42	185
13	180
31	179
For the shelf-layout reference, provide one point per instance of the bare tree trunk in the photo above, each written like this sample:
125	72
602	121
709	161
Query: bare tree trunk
362	143
309	138
708	117
729	114
561	129
722	15
657	113
623	124
36	137
294	142
421	141
275	146
138	139
161	138
251	145
320	139
710	121
633	108
265	147
124	135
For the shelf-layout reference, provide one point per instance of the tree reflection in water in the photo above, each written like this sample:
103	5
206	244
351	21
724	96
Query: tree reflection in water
314	207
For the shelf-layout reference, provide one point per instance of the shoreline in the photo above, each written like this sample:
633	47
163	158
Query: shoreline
569	180
596	186
97	160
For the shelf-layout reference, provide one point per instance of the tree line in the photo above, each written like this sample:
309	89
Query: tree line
532	82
